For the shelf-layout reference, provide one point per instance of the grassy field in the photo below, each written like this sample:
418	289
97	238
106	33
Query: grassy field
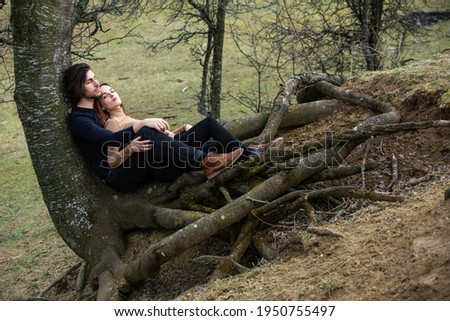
161	85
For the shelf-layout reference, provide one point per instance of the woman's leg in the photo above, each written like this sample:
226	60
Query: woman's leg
172	156
169	158
209	133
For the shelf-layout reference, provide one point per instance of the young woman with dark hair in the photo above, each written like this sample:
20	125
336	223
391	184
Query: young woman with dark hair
207	135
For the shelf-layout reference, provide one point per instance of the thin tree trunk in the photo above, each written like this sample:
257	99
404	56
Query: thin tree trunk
202	109
216	80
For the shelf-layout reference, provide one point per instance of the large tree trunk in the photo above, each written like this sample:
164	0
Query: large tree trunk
42	36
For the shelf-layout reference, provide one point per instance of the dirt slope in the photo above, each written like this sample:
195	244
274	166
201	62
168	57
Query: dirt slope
391	251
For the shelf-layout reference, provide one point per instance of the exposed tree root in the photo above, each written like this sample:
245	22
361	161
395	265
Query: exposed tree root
262	243
340	191
239	248
295	115
61	279
81	281
206	259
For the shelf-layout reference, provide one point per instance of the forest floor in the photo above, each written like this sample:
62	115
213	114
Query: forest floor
390	251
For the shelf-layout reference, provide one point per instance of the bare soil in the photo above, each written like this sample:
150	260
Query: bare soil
390	251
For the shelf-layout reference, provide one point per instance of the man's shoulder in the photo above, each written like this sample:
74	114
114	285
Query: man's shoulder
82	118
83	114
77	111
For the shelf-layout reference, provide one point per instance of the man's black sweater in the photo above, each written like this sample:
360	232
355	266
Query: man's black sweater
92	139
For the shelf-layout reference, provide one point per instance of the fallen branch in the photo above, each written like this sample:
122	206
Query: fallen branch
226	194
62	278
416	181
341	172
372	131
340	191
322	231
363	164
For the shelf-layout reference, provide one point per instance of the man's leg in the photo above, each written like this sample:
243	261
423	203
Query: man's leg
130	175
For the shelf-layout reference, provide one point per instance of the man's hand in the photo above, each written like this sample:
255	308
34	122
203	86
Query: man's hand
137	145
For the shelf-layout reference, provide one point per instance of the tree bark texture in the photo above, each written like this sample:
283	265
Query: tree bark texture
76	201
217	68
42	34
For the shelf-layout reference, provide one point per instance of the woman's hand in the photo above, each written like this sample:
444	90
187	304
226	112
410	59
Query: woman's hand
183	128
169	133
157	123
137	145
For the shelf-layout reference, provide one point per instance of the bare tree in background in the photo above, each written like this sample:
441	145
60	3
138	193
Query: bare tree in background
338	37
203	21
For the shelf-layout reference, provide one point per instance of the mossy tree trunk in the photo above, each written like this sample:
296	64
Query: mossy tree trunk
74	198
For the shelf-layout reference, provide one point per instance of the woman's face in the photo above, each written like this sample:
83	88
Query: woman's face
109	99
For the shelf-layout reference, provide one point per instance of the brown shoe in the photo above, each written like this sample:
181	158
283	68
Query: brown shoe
214	164
263	147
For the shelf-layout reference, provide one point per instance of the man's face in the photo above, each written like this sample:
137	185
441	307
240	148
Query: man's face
91	88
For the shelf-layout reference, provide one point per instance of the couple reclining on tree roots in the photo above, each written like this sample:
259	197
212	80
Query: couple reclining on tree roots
127	152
